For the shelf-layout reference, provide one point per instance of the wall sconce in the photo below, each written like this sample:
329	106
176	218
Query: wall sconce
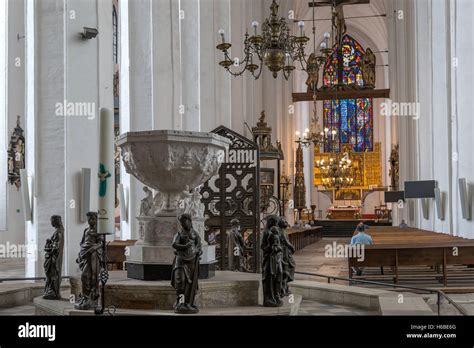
89	33
466	198
439	199
85	193
25	195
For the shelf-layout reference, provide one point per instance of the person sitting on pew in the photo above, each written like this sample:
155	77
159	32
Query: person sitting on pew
403	224
361	238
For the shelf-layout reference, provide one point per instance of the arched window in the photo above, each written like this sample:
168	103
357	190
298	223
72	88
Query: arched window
352	118
115	34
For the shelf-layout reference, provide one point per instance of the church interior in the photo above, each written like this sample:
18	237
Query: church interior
236	157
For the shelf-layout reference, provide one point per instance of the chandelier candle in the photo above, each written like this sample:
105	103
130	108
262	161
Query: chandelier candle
274	47
105	223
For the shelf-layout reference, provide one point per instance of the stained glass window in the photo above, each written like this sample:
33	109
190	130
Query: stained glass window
352	118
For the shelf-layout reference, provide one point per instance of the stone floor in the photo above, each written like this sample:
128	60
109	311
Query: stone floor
466	301
11	268
28	309
325	309
310	259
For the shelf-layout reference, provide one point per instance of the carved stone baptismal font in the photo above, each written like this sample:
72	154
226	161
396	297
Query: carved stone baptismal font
174	164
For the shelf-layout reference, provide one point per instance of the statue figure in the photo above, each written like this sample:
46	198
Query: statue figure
53	260
89	260
146	206
237	247
272	267
187	160
185	273
197	207
159	202
11	166
20	153
191	204
368	68
16	155
289	264
394	168
312	70
261	120
266	146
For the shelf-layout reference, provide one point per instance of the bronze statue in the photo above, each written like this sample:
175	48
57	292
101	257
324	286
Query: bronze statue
312	70
272	266
185	273
237	244
368	68
289	264
89	260
53	260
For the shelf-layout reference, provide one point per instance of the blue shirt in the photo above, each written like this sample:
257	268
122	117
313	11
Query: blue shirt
362	238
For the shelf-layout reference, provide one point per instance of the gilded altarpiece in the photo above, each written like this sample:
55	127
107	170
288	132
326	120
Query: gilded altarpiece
367	167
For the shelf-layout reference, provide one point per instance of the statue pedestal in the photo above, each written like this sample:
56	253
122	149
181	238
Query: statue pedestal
152	255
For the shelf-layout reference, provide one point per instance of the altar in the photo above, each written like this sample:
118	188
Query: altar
343	213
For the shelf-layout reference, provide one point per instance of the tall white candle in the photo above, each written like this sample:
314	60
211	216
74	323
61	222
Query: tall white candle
106	202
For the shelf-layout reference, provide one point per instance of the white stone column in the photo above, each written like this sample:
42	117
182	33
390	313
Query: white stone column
61	142
461	74
46	148
190	39
403	85
125	179
432	50
12	92
15	102
30	143
3	119
215	82
165	63
136	91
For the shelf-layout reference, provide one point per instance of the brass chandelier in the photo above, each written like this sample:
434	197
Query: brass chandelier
338	172
275	48
316	135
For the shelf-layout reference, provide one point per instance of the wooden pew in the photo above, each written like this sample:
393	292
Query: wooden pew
410	248
302	237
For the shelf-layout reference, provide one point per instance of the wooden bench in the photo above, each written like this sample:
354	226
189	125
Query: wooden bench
436	255
302	237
